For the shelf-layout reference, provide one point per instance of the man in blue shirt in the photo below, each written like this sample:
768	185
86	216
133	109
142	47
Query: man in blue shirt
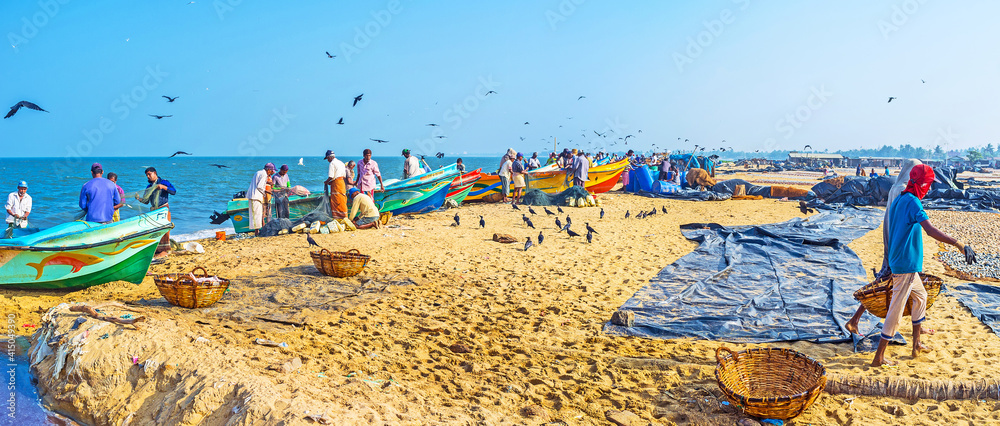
906	259
161	189
99	196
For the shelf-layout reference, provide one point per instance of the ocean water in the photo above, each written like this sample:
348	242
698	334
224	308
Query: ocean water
54	183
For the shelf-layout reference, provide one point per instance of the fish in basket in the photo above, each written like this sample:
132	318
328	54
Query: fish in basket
340	264
191	290
877	295
770	383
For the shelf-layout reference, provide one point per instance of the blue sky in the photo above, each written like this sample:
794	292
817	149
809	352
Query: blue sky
252	77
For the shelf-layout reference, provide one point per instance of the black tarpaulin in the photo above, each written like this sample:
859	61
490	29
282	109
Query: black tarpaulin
779	282
982	299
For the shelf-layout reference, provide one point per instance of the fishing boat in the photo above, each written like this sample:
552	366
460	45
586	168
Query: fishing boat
488	185
81	254
602	179
462	185
418	194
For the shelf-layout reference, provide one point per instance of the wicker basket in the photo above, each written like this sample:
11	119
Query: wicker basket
340	264
181	290
877	295
770	382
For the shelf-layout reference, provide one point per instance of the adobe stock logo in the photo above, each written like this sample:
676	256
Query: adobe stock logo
899	17
31	27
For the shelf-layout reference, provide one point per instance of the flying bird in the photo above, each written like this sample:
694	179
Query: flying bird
311	241
219	166
328	55
806	147
526	123
581	97
589	229
169	99
527	244
300	161
179	153
26	104
482	222
432	125
530	210
922	80
357	99
378	140
599	134
891	98
439	155
540	237
440	137
522	138
628	136
160	117
341	121
488	93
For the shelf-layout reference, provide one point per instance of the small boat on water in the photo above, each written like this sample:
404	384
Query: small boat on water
462	185
81	254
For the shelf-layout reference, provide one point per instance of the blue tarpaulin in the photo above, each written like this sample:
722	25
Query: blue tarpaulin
779	282
982	299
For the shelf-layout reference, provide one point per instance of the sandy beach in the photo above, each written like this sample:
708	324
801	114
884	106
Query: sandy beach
446	326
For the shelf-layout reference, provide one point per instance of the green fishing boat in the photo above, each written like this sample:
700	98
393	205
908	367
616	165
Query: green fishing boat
81	254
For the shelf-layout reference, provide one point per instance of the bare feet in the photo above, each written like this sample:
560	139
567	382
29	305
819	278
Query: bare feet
925	331
852	327
920	347
878	362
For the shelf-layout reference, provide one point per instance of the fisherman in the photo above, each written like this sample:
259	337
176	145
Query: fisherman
534	162
581	167
113	177
517	176
368	173
411	166
256	195
157	195
553	159
460	166
281	179
98	197
363	209
18	208
338	188
505	172
906	259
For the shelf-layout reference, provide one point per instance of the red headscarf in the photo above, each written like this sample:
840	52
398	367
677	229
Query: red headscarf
921	177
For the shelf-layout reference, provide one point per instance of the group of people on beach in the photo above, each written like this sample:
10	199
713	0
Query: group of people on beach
514	168
100	201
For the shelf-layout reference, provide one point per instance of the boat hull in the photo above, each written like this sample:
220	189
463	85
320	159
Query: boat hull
603	178
431	201
239	212
461	186
80	254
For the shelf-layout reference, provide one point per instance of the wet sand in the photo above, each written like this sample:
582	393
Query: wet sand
393	349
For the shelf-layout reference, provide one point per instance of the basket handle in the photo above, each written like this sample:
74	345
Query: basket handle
204	272
321	251
718	356
353	251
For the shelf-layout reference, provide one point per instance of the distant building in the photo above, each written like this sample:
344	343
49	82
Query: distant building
815	158
879	162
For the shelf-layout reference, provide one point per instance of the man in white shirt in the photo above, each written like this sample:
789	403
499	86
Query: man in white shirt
534	162
256	194
18	207
336	179
411	166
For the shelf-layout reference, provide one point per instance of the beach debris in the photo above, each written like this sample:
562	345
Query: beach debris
747	422
624	318
271	343
460	348
29	326
135	360
622	418
535	410
774	422
193	247
287	366
104	336
149	367
93	314
77	323
504	238
322	419
201	340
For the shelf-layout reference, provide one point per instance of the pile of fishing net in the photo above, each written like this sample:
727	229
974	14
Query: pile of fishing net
274	224
535	197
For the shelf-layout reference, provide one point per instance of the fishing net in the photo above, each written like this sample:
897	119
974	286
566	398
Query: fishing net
275	224
535	197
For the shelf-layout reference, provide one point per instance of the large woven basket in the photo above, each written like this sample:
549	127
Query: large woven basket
340	264
769	382
877	295
181	290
